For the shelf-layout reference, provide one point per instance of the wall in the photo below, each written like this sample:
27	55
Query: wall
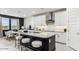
73	28
60	20
36	21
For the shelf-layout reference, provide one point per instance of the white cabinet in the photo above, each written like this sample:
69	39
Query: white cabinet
73	27
61	37
61	20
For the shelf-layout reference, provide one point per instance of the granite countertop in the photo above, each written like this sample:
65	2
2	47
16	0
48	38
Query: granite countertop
40	34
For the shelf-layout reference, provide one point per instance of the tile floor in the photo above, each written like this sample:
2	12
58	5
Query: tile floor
62	47
6	45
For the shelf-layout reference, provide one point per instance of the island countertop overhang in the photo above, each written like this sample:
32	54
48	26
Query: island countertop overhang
40	35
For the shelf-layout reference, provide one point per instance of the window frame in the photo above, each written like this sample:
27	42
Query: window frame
17	23
2	22
10	22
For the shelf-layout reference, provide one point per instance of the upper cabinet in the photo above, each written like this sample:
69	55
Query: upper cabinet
60	18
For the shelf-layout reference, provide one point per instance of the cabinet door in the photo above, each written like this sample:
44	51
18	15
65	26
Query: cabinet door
73	17
61	37
60	18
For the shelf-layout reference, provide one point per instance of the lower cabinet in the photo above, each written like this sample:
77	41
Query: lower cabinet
61	37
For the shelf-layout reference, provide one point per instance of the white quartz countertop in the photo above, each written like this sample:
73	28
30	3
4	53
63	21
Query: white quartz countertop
41	34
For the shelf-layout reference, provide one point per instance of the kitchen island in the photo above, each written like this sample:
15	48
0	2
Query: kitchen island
47	39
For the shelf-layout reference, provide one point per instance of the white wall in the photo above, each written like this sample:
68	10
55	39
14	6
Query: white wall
73	28
38	20
51	27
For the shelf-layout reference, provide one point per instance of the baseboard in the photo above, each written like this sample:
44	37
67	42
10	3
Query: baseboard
72	48
65	44
60	42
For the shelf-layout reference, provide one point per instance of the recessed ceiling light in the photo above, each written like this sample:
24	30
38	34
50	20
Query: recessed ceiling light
5	11
41	8
33	12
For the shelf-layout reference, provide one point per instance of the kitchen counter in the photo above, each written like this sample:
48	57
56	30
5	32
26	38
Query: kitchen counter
44	37
40	34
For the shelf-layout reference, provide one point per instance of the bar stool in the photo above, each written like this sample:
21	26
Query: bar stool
17	41
25	41
9	35
37	43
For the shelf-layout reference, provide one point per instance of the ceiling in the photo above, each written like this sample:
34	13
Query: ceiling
25	12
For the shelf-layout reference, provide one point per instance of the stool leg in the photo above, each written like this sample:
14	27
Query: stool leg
21	48
15	42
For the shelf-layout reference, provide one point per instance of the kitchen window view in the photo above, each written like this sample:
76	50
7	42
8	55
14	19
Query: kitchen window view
14	23
5	23
39	29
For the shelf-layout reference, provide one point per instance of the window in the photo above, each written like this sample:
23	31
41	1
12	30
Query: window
5	23
14	23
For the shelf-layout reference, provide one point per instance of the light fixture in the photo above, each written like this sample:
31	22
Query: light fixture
5	10
42	8
33	12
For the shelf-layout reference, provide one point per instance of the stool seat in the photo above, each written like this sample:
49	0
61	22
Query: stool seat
10	35
25	40
18	37
37	44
